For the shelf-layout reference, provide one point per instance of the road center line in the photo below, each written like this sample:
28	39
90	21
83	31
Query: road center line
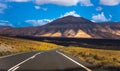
15	68
18	65
74	61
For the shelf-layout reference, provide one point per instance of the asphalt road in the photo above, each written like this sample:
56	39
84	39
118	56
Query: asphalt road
42	61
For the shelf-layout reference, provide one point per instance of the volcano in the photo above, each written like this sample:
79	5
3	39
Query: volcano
69	26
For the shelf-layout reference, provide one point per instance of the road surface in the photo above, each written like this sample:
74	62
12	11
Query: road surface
42	61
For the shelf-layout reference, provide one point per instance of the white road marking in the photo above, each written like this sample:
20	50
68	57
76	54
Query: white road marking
18	65
74	61
15	68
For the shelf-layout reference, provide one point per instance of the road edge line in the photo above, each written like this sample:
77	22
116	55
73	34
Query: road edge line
74	61
5	56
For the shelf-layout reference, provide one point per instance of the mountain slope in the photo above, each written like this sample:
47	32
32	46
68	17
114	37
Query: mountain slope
70	26
112	27
66	27
79	27
4	28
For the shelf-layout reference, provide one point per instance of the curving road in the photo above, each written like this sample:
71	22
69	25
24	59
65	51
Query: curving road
42	61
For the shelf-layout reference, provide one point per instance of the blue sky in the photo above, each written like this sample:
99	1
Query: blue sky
24	13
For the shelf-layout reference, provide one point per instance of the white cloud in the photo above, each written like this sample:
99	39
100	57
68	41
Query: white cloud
38	22
110	17
65	2
85	3
72	13
45	9
2	7
110	2
100	18
37	7
5	23
45	21
18	0
99	8
57	2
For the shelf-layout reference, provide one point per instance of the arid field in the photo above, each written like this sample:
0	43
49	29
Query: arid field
14	45
97	57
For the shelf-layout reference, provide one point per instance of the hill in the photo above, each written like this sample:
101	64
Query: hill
69	26
4	28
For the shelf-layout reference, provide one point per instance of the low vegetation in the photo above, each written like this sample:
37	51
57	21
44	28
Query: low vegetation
97	57
14	45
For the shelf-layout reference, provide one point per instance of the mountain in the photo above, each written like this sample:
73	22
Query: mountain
70	26
4	28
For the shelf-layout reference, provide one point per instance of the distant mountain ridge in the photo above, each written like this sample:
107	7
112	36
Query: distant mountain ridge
69	26
4	27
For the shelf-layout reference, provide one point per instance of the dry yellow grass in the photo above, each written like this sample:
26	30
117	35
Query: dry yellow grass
97	57
13	45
